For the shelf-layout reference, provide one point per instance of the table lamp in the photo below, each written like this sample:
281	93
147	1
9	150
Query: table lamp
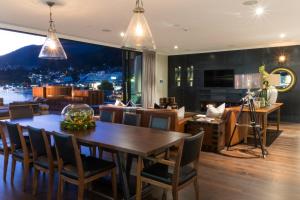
247	81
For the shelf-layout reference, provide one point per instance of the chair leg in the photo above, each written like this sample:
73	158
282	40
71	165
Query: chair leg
35	181
80	191
50	186
164	196
25	175
196	187
175	194
6	157
114	183
60	188
13	167
128	165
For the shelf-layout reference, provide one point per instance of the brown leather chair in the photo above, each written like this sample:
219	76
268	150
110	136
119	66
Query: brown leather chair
80	169
44	157
5	149
21	150
183	174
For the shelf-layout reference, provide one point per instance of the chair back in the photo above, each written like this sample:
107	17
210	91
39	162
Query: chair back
191	149
20	111
3	140
37	142
132	119
65	148
107	116
158	122
13	134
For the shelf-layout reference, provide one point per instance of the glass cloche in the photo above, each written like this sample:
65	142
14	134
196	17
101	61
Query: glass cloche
77	117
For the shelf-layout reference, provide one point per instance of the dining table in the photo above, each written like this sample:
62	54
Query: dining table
123	139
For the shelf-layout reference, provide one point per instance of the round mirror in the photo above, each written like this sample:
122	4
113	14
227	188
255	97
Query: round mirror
287	79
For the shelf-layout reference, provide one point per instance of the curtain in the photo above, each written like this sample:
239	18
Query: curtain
148	80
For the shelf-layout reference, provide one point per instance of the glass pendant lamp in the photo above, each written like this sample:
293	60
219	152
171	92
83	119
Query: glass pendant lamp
52	48
138	34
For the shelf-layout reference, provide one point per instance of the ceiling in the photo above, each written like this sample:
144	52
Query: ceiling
193	25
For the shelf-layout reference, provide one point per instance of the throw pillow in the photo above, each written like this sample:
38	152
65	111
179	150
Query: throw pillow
119	103
180	113
213	112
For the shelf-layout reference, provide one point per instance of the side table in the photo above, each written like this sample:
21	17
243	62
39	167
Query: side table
214	133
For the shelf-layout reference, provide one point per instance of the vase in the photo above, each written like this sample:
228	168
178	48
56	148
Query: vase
272	95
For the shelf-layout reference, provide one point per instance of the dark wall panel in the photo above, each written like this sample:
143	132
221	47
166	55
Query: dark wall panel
242	61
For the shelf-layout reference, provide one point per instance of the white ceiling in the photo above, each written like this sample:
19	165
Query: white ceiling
213	25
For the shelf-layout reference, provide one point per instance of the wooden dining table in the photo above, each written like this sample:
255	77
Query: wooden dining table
121	138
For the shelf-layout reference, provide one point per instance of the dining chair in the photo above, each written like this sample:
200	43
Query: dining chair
131	119
20	111
107	116
44	157
5	149
80	169
21	151
160	122
183	174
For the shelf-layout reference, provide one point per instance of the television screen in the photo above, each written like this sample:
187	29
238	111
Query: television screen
219	78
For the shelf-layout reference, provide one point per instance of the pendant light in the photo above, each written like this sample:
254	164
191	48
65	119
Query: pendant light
138	34
52	48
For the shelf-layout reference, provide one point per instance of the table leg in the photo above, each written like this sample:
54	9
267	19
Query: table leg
278	120
122	173
265	126
138	179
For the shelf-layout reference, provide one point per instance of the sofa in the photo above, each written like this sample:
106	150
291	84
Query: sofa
176	123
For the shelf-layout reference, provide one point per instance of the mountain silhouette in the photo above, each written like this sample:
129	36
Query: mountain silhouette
81	56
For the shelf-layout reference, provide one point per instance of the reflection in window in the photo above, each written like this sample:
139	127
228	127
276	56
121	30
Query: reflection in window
190	75
178	76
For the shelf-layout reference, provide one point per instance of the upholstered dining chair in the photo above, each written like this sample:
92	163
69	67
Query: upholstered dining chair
107	116
5	149
21	150
20	111
80	169
160	122
183	173
131	119
44	157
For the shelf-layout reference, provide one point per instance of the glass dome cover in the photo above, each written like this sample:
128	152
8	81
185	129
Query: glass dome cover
77	117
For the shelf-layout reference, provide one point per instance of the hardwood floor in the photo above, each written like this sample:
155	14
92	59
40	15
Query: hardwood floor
238	174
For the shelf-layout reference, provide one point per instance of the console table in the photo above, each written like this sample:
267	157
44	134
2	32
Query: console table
262	116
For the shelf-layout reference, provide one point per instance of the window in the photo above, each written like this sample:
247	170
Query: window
88	66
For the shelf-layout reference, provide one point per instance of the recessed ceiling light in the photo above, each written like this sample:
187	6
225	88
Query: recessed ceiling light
250	2
259	11
176	47
122	34
106	30
282	35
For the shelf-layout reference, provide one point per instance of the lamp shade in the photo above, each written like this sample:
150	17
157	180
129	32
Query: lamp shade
138	34
247	81
52	48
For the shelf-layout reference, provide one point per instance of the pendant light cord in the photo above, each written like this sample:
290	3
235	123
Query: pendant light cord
51	21
139	4
139	7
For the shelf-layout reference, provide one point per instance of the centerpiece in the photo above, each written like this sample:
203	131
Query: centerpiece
77	117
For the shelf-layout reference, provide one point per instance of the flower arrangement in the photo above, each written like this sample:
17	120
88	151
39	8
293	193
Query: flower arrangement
78	117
